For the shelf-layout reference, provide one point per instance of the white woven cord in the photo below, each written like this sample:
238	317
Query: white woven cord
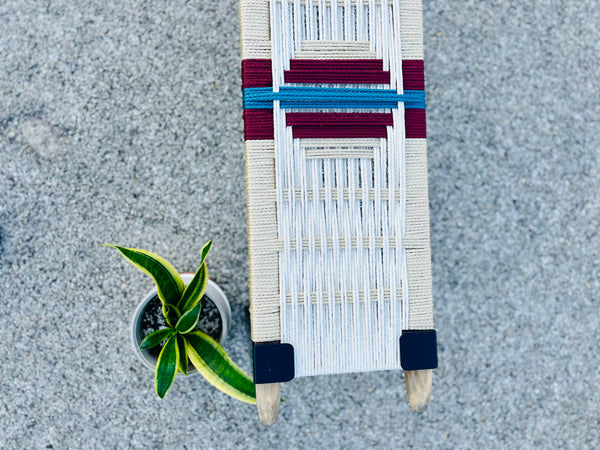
317	217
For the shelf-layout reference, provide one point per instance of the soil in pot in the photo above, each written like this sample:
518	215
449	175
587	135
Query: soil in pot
152	319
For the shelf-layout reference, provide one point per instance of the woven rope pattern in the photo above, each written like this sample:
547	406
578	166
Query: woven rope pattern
338	214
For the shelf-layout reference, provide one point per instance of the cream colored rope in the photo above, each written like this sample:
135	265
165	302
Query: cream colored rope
263	242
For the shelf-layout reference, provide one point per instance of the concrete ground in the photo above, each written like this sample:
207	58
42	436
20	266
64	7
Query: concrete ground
121	122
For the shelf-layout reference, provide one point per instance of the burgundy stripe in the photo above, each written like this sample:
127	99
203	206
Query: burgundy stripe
413	76
414	122
336	64
339	125
258	124
256	73
337	76
339	119
339	132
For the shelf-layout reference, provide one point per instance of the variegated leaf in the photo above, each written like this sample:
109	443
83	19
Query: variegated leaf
209	358
171	314
195	290
189	320
155	338
166	367
183	357
168	282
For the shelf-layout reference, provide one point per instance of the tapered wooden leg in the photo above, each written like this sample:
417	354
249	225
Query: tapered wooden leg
268	397
418	387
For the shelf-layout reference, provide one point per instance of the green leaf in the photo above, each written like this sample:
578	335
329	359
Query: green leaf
168	282
216	366
195	290
166	367
171	314
206	249
155	338
183	357
189	320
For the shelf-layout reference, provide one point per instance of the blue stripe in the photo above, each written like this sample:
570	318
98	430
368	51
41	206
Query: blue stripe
322	97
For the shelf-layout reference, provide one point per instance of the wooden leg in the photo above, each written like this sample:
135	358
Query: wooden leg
418	388
268	397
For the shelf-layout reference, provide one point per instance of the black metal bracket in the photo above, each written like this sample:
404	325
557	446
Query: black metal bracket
273	362
418	349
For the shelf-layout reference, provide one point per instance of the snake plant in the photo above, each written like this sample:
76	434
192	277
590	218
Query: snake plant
182	340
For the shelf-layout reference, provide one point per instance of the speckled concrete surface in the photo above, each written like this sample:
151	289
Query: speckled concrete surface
121	122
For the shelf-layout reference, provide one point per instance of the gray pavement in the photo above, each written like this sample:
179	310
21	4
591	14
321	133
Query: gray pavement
121	122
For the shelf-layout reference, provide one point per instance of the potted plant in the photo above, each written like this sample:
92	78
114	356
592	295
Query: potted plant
214	320
180	340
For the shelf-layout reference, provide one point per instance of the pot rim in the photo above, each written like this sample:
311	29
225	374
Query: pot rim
213	291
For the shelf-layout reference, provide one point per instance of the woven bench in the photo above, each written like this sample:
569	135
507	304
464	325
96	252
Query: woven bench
338	214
